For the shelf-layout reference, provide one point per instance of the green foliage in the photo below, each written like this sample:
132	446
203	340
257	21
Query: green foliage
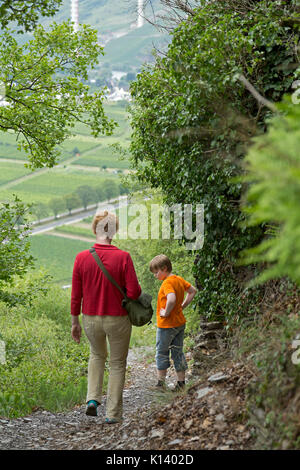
272	395
44	86
110	189
87	195
273	174
40	210
44	367
72	201
15	259
192	120
57	205
26	13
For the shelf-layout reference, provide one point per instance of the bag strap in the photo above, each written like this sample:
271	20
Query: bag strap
105	272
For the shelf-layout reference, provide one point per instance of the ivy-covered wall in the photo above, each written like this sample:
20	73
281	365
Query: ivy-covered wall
193	120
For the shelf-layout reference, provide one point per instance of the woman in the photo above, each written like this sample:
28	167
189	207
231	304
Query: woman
103	315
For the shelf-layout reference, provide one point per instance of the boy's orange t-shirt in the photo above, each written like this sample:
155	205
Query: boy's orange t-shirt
178	286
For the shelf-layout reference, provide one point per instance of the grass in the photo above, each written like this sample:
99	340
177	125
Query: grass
102	156
81	142
139	45
11	171
44	367
9	147
74	230
57	255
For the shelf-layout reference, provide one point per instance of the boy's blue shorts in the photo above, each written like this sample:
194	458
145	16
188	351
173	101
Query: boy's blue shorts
170	339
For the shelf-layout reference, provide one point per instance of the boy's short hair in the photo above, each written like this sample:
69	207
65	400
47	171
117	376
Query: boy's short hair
105	224
159	262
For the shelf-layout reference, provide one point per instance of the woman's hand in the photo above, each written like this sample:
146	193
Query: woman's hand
76	329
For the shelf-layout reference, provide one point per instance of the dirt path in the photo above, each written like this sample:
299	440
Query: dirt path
44	430
70	235
210	415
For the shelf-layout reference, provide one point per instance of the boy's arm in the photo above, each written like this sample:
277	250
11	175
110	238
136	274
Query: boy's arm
191	292
171	301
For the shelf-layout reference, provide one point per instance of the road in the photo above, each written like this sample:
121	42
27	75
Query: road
79	215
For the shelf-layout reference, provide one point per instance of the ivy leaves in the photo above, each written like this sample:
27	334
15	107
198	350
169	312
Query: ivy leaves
192	121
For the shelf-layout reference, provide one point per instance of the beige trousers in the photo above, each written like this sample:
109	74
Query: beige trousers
117	329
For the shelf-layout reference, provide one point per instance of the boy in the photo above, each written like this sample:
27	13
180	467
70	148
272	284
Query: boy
170	320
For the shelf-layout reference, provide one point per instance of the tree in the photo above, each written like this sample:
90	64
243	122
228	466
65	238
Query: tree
40	210
110	189
26	13
46	94
75	151
172	13
100	193
123	189
72	201
57	205
44	86
87	195
14	247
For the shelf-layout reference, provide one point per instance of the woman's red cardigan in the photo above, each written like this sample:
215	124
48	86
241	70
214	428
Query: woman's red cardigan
92	292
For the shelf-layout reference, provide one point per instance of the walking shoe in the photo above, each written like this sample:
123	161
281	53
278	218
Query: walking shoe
161	385
91	408
111	420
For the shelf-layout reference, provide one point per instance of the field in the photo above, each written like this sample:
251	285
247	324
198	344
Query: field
11	171
75	229
57	255
55	183
85	160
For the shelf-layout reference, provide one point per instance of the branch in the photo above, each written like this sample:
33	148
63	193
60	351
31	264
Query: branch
292	21
256	94
176	11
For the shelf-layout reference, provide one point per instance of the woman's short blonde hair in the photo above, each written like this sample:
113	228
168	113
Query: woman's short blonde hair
105	224
159	262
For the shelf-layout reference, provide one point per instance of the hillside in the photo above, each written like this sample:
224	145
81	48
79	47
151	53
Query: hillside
126	46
